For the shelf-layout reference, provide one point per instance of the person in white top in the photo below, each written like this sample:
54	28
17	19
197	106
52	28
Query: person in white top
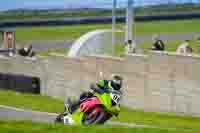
183	48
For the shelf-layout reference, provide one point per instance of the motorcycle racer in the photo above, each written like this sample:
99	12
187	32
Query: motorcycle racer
100	88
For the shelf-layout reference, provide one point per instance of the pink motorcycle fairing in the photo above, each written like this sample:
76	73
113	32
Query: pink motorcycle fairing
89	104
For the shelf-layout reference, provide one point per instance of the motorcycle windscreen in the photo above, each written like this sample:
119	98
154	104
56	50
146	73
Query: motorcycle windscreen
105	99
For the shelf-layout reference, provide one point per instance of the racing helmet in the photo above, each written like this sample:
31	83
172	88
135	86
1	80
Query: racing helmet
116	82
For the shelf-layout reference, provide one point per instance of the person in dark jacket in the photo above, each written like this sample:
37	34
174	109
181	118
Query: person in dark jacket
158	45
26	51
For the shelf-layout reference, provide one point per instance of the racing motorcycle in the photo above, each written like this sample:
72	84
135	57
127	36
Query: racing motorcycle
94	110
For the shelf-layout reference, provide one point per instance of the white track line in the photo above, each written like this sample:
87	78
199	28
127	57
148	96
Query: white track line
23	110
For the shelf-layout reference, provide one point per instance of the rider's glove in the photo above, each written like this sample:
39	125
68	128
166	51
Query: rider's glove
95	88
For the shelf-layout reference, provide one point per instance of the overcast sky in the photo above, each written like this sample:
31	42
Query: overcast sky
46	4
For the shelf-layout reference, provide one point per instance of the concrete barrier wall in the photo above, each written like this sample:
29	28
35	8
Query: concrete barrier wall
26	67
157	82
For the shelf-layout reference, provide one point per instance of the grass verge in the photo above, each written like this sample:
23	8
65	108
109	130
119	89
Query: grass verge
158	119
47	53
48	104
31	127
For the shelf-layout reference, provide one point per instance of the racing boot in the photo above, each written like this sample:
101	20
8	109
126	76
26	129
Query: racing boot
71	106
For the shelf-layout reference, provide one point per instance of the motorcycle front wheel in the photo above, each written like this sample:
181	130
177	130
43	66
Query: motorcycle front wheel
95	116
59	118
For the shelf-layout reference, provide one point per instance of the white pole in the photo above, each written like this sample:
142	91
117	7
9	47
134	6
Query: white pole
129	24
113	25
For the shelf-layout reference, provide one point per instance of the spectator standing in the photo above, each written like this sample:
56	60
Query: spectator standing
184	48
129	47
189	50
198	45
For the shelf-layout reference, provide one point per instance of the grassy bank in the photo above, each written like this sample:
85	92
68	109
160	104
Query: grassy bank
28	101
56	33
30	127
168	27
48	104
74	31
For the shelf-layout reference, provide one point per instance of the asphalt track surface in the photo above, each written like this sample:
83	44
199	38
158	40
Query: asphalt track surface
11	113
45	45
